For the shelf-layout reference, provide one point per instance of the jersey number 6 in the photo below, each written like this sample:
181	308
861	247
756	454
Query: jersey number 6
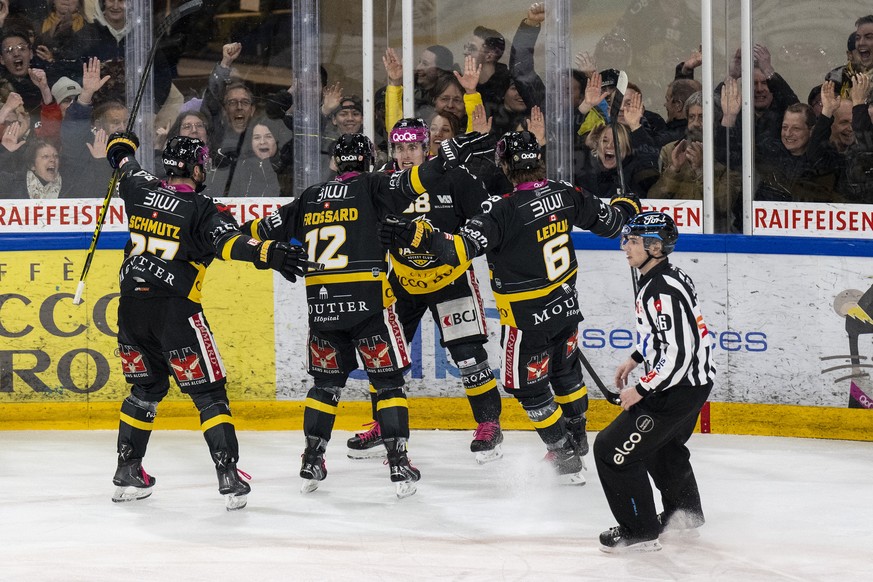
556	256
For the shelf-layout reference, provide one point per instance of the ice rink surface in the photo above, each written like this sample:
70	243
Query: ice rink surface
776	508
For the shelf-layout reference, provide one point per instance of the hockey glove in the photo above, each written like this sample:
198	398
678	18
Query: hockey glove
397	232
289	260
121	145
626	201
458	150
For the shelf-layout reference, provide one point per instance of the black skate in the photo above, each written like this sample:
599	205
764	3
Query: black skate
486	442
131	481
368	444
681	524
230	485
402	472
313	468
567	464
617	539
576	429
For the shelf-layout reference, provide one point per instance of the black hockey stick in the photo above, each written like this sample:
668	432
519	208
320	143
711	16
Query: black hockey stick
163	28
610	396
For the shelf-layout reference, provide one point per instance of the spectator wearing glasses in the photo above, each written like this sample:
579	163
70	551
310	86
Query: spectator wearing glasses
486	45
16	54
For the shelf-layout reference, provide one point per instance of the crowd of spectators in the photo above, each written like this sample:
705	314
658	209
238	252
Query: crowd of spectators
62	92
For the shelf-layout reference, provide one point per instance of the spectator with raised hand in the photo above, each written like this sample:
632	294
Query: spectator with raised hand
486	46
685	69
597	171
589	109
856	179
678	92
835	119
16	54
527	85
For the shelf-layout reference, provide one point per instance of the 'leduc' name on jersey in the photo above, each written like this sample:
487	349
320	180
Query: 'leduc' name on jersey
552	229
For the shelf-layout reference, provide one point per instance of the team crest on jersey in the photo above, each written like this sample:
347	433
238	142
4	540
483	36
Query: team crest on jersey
186	365
375	352
132	361
418	258
323	355
572	342
537	367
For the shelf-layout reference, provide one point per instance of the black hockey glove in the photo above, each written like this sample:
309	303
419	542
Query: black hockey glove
289	260
397	232
121	145
627	201
456	151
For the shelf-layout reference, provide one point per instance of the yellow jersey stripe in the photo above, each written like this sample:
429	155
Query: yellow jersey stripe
392	403
578	394
525	295
227	248
140	424
321	406
216	420
415	180
552	419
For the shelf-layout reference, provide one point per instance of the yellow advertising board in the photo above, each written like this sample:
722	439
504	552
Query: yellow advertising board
54	351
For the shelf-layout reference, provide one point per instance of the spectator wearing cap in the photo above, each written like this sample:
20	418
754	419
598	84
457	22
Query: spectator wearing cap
65	90
486	45
346	117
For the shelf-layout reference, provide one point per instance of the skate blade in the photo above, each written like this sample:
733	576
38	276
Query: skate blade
234	502
572	479
372	453
649	546
405	489
124	494
309	485
494	454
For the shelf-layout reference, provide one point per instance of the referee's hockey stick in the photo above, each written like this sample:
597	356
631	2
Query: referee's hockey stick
163	28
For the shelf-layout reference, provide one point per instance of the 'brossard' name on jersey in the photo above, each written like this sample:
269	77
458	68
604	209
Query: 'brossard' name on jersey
673	336
526	237
337	223
175	233
444	202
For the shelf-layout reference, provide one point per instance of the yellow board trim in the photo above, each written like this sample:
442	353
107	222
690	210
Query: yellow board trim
577	395
216	420
321	406
140	424
482	389
547	422
781	420
392	403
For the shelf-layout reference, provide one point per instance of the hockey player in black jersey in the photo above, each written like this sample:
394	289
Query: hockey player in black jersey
350	306
661	408
422	282
526	238
175	233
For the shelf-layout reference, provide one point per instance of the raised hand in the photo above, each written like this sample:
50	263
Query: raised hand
860	89
229	53
91	80
393	67
536	124
632	108
536	14
470	78
762	57
12	136
593	93
481	121
330	98
585	63
677	156
98	148
830	101
731	101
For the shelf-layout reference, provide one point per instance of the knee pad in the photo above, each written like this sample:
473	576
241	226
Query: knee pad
216	396
467	355
149	407
387	382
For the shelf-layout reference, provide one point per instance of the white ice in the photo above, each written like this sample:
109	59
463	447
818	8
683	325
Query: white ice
776	508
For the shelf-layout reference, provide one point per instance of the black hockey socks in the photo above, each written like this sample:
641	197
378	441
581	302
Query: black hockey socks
320	412
392	413
481	388
135	427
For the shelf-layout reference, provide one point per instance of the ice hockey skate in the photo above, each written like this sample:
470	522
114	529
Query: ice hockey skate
230	485
403	474
486	442
680	525
616	540
567	463
367	444
576	429
131	482
313	468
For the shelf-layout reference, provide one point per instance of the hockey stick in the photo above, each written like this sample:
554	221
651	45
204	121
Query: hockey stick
165	26
610	396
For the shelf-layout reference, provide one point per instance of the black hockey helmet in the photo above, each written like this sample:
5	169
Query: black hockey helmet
653	226
410	130
520	150
353	152
182	154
